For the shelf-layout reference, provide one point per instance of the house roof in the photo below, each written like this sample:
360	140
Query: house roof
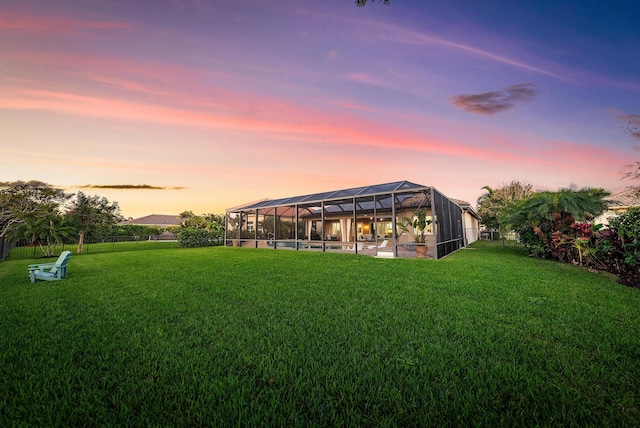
466	207
309	205
335	195
155	220
625	199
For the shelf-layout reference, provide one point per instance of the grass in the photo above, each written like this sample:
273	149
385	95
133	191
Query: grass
228	336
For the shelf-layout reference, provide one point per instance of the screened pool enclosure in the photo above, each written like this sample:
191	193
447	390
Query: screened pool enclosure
362	220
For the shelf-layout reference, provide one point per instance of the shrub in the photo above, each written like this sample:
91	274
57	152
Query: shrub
607	254
191	237
627	230
531	242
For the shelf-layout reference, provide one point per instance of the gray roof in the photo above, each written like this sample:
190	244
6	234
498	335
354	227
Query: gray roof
625	199
466	206
336	195
155	220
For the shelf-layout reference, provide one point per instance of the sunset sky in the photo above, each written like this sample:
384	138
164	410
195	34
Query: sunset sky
212	103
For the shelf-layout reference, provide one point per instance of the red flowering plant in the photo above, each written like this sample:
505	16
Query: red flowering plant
582	242
560	245
576	243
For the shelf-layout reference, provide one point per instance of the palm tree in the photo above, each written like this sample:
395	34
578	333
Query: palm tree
546	212
494	203
46	231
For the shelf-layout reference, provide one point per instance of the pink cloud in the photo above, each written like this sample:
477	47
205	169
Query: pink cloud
274	119
13	21
173	95
129	85
168	82
350	105
366	79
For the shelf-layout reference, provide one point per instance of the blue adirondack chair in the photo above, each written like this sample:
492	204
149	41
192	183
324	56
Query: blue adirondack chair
51	271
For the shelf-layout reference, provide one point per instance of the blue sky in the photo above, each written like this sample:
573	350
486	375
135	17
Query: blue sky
217	103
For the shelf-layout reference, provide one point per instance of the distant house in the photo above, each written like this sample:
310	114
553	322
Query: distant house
157	220
365	219
618	203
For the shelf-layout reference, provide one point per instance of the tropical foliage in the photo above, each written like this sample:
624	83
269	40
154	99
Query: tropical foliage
200	230
32	210
23	203
618	247
542	217
559	225
191	237
45	216
494	203
45	231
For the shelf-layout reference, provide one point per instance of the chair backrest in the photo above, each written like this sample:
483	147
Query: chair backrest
62	261
383	244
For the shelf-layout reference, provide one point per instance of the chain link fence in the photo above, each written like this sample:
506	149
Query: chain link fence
26	250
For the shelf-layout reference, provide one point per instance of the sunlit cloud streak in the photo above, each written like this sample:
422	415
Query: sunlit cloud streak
53	25
129	187
572	74
413	37
489	103
394	33
350	105
293	123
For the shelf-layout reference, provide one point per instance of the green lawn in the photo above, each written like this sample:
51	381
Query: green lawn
233	336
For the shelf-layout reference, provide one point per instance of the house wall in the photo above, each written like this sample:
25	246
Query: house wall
472	228
604	217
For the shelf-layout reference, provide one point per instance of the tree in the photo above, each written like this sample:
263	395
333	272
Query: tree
209	222
89	213
361	3
539	216
215	224
627	232
45	231
200	230
27	201
493	205
189	219
634	132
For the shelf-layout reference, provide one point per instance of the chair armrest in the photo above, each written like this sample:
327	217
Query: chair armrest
42	266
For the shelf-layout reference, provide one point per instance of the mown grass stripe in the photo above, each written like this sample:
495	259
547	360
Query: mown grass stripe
221	336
